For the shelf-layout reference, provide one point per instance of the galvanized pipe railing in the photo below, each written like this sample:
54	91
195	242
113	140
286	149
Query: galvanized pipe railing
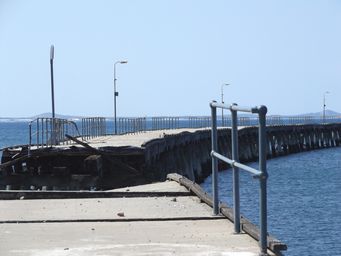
165	123
131	125
199	121
47	132
93	127
261	174
128	125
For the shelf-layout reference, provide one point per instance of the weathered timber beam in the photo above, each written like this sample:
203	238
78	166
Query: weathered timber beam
100	152
212	218
22	194
86	145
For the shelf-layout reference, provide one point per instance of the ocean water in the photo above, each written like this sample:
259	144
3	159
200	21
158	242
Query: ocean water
304	200
14	133
304	195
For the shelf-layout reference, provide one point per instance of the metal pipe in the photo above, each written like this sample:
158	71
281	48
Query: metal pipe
37	132
231	162
235	157
52	93
222	102
263	179
324	106
236	107
115	92
30	139
214	161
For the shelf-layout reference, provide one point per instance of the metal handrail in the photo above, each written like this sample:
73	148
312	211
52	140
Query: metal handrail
165	122
93	127
132	125
50	132
141	124
178	122
261	174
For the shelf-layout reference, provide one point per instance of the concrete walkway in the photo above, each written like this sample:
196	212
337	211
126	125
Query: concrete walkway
135	139
119	226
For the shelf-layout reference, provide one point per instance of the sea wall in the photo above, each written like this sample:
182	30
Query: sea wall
189	153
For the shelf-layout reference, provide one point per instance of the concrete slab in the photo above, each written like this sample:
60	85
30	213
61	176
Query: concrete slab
119	226
139	238
103	208
167	186
137	139
134	139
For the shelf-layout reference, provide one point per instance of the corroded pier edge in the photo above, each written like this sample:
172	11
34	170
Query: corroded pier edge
247	226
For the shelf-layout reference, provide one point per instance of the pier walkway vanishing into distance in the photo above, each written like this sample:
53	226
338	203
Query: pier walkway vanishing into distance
64	188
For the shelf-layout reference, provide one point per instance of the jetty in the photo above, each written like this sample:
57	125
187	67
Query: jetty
137	190
166	218
102	162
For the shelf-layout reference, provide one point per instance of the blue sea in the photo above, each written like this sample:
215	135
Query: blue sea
13	133
304	195
304	200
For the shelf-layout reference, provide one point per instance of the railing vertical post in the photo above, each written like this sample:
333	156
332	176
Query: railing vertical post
37	125
263	179
30	138
235	157
214	140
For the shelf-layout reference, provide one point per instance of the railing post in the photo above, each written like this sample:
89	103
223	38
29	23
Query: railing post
30	138
235	157
214	140
263	180
37	125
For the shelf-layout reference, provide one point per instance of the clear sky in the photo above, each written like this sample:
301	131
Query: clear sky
282	54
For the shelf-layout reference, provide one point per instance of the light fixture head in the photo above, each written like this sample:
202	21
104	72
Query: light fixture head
52	52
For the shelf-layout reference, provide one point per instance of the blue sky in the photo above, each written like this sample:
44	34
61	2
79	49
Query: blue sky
282	54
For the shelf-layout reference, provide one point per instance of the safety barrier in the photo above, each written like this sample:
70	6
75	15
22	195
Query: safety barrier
131	125
260	174
164	123
93	127
47	132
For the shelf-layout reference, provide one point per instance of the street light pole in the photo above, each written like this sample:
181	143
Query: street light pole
115	92
222	102
53	135
324	105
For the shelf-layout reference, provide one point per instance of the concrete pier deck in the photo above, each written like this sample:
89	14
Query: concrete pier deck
135	139
141	225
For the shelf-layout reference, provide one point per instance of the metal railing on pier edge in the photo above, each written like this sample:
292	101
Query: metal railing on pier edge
131	125
93	127
134	125
260	174
47	132
41	133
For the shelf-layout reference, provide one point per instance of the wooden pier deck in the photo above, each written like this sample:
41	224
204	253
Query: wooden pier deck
156	219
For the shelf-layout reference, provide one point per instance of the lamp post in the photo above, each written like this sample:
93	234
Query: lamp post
324	106
222	102
53	135
115	92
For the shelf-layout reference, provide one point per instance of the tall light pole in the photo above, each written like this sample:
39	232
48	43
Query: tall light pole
222	102
53	135
115	92
324	105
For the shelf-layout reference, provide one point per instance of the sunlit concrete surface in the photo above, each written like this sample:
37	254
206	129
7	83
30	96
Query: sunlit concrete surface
135	139
181	225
